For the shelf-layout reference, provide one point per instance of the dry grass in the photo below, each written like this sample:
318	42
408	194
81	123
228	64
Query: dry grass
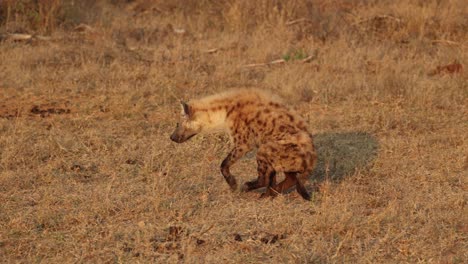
88	173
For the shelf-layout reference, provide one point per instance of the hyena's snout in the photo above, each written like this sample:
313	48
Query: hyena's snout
175	138
176	135
181	134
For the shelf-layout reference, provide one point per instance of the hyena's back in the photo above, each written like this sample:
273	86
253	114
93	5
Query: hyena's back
279	134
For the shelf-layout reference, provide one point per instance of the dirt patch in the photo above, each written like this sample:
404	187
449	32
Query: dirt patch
45	111
172	241
18	108
453	68
263	237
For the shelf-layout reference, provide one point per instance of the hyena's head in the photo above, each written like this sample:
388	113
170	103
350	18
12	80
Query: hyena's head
188	125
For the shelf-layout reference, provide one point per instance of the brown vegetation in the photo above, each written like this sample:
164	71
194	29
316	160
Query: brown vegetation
89	89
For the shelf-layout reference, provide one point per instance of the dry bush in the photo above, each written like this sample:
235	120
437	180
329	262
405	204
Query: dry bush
45	16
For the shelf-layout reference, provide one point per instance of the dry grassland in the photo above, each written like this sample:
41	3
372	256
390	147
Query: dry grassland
88	173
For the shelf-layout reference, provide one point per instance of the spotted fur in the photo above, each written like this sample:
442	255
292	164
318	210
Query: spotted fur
255	119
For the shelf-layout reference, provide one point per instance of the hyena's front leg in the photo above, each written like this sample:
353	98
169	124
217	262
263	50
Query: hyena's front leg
233	156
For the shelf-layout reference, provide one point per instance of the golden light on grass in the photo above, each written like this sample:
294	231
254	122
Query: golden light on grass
88	173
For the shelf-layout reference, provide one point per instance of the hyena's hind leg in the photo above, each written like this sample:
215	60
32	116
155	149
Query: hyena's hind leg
271	183
260	182
232	157
288	182
303	176
300	185
266	173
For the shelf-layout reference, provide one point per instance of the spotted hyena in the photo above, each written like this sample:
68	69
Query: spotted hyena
255	119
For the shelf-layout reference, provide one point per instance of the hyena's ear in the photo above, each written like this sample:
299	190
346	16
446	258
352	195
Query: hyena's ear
187	110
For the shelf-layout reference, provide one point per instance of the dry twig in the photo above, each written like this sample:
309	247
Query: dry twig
279	61
308	58
211	50
19	37
23	37
449	42
300	20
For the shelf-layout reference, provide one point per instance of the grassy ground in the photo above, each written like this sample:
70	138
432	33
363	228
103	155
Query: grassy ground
88	173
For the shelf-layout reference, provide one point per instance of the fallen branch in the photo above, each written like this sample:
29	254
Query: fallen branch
18	37
300	20
43	38
211	50
23	37
307	59
280	61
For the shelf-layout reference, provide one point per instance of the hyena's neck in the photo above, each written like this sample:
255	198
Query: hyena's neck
211	116
216	119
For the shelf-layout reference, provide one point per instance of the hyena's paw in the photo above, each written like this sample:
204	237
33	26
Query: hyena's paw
232	183
249	186
269	193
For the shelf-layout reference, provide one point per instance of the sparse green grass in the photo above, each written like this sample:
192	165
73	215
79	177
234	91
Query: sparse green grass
102	182
297	54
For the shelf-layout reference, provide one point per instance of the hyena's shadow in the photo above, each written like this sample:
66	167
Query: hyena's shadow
341	154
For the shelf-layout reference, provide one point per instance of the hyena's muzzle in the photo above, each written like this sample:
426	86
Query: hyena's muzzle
182	134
